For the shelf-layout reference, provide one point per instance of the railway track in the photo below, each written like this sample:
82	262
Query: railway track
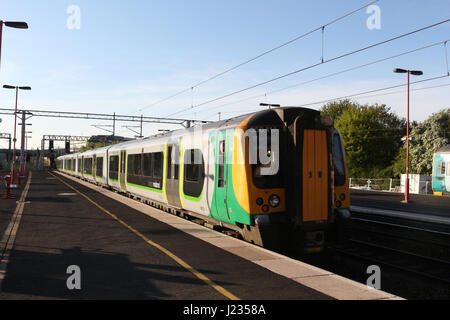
406	262
414	256
386	243
427	240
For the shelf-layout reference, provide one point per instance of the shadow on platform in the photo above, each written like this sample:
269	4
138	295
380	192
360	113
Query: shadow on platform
42	275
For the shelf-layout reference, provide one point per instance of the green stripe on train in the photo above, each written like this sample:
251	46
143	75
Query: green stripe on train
144	187
235	213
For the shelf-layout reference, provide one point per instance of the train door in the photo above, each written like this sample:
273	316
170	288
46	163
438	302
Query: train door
441	174
315	175
173	174
123	164
94	167
447	175
219	142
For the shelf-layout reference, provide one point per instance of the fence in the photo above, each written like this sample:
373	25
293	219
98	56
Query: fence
385	184
391	185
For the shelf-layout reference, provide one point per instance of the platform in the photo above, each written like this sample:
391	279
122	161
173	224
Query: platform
420	204
128	250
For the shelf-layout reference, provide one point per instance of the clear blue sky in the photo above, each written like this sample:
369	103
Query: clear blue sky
129	54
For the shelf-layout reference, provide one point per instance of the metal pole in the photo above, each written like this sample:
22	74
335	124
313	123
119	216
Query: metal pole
14	140
9	148
141	136
114	124
26	154
42	154
22	146
407	149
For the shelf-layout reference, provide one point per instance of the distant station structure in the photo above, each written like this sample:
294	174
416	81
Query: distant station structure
53	153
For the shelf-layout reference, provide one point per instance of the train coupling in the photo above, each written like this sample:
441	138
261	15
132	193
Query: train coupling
314	241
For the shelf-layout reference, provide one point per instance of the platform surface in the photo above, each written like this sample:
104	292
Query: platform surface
128	250
421	204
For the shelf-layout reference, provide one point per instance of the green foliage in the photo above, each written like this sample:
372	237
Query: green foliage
335	109
91	146
372	135
428	137
398	166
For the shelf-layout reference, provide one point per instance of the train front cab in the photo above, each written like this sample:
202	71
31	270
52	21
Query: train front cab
304	185
310	186
441	171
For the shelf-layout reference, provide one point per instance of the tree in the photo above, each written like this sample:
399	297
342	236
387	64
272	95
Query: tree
91	145
399	164
428	137
335	109
372	136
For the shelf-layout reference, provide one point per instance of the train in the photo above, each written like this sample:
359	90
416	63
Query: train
441	170
277	178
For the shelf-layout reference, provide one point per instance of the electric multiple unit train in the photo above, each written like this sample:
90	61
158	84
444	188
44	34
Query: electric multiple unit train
276	177
441	170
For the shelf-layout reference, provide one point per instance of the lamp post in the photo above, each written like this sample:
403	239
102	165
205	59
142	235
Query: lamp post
415	73
15	128
10	24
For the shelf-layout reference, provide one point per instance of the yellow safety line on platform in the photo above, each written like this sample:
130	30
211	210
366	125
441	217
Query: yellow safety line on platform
181	262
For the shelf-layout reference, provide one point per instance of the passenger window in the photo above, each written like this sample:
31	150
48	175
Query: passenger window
194	173
99	169
221	173
176	158
134	164
113	167
157	164
273	178
147	165
441	168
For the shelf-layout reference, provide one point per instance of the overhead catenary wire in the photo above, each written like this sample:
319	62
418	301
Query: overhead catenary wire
329	75
258	56
364	93
371	91
446	57
314	65
402	91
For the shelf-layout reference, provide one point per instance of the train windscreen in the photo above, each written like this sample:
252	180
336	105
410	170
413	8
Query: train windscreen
267	172
338	160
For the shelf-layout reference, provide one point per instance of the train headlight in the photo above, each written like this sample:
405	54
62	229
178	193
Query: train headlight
259	201
274	201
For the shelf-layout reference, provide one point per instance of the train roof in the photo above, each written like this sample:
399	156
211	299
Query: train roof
274	115
445	149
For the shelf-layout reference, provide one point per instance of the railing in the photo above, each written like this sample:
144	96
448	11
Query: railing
384	184
388	184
